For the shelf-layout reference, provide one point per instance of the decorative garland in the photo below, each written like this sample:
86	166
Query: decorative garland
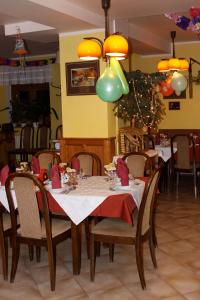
185	23
31	63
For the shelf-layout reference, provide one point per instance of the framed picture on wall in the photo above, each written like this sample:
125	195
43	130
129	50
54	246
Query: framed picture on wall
81	77
174	105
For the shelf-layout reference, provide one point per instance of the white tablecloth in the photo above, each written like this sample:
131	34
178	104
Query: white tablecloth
89	194
161	151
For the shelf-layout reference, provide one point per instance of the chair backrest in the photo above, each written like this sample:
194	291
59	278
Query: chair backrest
47	157
27	137
130	139
146	209
59	133
137	163
90	163
185	145
25	188
148	141
43	137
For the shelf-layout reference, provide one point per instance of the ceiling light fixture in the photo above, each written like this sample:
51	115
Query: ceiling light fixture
112	84
173	63
115	45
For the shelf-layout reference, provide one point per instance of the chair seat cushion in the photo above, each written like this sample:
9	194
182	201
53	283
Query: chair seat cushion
58	227
114	227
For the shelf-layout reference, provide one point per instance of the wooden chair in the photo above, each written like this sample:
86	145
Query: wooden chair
26	145
183	160
36	226
138	163
90	163
46	157
5	233
148	141
59	133
115	231
43	137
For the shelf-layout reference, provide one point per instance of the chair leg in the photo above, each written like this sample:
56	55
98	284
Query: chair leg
140	265
87	236
31	252
154	238
92	257
195	184
15	258
38	253
152	249
4	255
111	252
52	266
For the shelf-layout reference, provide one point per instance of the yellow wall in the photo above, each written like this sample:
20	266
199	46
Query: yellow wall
83	116
188	115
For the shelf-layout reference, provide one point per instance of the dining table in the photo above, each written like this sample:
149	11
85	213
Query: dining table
92	196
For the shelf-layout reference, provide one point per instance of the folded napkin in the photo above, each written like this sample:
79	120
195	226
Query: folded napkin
35	165
42	175
4	174
55	177
76	164
122	171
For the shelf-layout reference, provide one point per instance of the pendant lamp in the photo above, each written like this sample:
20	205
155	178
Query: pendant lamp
173	63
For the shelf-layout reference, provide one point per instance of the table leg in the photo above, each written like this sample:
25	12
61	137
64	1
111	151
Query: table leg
76	247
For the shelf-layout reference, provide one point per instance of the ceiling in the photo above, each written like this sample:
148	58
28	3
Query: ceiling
142	21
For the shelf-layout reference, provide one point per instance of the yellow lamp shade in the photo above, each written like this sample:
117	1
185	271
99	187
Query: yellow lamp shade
174	64
89	50
163	65
116	45
184	64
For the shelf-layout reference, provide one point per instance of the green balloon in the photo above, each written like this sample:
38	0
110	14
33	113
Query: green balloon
108	86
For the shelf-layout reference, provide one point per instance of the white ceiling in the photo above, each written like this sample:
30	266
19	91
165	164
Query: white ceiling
142	21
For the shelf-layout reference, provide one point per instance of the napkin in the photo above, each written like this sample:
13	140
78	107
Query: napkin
35	165
76	164
55	177
122	171
4	174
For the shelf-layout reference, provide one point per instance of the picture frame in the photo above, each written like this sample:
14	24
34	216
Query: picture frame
81	77
174	105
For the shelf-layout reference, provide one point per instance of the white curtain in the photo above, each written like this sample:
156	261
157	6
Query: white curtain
19	75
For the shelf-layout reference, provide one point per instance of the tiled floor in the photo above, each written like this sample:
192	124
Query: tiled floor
178	256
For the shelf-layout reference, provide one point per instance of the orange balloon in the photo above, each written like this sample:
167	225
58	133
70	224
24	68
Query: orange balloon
166	87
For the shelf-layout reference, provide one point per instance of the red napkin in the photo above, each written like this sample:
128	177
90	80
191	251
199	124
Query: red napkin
55	177
76	164
122	171
42	175
35	165
4	174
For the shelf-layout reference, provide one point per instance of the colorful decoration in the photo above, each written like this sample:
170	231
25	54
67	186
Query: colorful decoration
31	63
185	23
116	67
143	103
166	87
108	86
178	82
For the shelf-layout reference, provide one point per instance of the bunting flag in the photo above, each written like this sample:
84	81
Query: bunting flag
31	63
192	23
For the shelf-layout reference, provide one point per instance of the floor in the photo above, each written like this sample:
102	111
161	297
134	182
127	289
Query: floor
178	257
